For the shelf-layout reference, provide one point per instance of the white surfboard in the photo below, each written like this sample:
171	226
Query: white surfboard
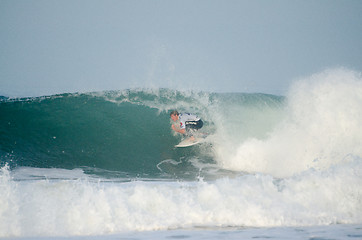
187	142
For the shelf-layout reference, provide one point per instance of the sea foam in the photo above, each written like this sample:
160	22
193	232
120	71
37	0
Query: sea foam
53	207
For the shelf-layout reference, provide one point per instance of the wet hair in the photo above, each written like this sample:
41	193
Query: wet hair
174	112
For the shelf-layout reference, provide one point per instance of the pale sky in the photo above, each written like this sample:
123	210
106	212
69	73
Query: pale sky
57	46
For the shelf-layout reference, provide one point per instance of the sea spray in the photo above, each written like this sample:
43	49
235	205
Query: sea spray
321	128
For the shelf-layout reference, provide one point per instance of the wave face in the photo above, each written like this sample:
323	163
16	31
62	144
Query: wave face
105	163
126	131
77	130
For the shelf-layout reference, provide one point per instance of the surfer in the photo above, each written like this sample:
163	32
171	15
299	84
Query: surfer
189	123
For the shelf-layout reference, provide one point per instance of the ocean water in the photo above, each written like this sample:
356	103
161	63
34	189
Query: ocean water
103	165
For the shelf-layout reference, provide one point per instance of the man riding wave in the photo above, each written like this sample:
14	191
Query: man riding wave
189	123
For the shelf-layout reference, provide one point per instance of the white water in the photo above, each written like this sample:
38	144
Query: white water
89	207
322	127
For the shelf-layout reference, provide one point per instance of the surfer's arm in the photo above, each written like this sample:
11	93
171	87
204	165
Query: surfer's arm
182	131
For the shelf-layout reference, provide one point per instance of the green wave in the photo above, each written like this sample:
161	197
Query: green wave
127	131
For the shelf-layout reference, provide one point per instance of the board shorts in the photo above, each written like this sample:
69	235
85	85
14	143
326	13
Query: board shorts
192	126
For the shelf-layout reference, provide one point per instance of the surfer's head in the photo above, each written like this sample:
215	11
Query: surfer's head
174	115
